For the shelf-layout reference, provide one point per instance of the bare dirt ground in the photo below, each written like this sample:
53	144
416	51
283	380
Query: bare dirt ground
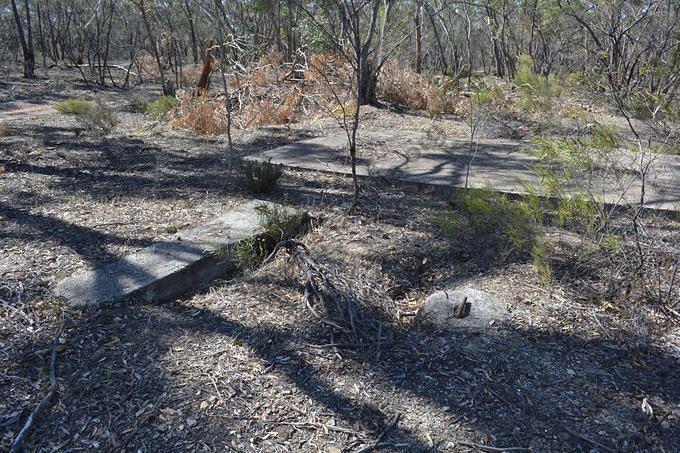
242	366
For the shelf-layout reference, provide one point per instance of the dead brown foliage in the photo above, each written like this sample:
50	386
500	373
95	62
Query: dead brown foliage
146	65
271	92
200	114
405	87
267	93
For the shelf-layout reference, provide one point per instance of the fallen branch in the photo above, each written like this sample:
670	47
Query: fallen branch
334	308
108	66
587	439
17	444
377	443
492	449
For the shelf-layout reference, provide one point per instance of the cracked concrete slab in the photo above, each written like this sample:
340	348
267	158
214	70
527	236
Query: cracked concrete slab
167	269
503	165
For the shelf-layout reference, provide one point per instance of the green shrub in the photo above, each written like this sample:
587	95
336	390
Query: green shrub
280	224
537	92
95	116
489	219
73	106
573	173
645	105
260	177
541	261
249	253
161	106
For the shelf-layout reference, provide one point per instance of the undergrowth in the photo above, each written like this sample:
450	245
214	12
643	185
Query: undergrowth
402	85
605	250
484	220
260	177
279	224
95	116
265	92
537	92
161	106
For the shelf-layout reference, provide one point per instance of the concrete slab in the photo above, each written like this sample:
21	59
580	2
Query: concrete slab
504	165
167	269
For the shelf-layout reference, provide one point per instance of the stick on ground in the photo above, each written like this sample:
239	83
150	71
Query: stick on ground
17	444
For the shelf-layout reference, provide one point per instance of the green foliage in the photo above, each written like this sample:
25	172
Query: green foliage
537	92
666	149
281	224
541	261
95	116
484	219
249	253
577	113
161	106
73	106
645	105
278	225
578	213
570	171
484	96
579	79
260	177
488	218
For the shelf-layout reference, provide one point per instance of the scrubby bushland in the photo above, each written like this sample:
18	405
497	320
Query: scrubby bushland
262	93
487	222
537	92
95	116
401	85
266	93
620	254
624	248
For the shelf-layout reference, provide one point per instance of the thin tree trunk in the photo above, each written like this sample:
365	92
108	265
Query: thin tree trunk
26	42
43	47
194	42
29	34
419	39
154	48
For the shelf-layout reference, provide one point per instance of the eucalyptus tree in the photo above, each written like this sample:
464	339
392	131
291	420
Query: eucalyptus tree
25	32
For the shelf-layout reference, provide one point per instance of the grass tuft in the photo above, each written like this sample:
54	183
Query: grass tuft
260	177
161	106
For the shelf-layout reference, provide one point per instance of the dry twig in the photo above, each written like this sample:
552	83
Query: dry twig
587	439
337	309
17	444
492	449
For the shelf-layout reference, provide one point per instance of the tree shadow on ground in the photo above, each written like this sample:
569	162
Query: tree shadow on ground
124	374
519	386
86	242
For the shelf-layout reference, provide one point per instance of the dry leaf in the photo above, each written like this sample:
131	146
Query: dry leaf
646	407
